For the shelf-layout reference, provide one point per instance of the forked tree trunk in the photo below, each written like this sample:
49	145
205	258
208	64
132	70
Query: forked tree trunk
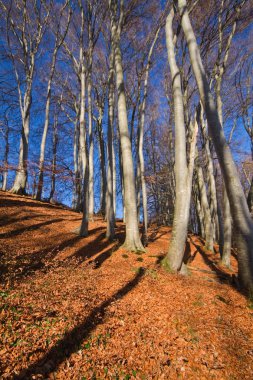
239	208
183	174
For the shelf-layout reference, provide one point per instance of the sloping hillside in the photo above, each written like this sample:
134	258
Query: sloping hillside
83	308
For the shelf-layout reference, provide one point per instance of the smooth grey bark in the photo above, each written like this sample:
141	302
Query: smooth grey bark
77	165
84	157
110	213
183	173
208	226
91	145
141	166
199	210
83	230
46	125
220	68
226	252
132	240
239	208
102	157
19	186
114	173
217	226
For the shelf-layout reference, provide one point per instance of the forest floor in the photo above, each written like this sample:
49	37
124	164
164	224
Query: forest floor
84	308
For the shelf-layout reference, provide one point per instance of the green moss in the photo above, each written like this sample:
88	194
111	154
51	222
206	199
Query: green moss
165	264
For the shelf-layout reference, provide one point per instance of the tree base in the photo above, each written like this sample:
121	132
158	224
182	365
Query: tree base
133	247
18	190
80	232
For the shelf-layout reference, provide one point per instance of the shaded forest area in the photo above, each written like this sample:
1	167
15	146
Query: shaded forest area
126	189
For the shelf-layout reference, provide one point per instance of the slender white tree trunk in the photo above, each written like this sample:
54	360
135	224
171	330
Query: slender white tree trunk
84	157
91	147
102	166
141	167
45	131
132	241
110	213
175	256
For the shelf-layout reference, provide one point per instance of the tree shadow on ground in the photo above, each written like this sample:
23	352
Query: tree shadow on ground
155	235
98	245
22	266
34	227
11	220
221	276
72	340
43	260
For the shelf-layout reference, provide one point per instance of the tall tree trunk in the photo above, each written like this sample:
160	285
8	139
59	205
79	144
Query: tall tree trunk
175	256
132	241
217	226
114	174
91	146
55	142
46	125
84	157
205	207
199	210
226	249
239	209
77	166
140	143
58	42
102	167
110	215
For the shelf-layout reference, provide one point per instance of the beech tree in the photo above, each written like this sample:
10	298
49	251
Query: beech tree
183	172
24	36
132	240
